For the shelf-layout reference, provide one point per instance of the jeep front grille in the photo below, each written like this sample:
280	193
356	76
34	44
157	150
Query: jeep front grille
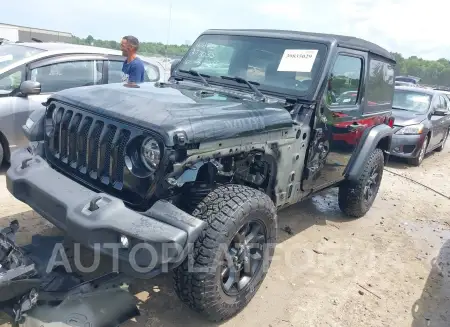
92	149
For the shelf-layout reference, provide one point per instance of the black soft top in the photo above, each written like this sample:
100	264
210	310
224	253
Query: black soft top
341	40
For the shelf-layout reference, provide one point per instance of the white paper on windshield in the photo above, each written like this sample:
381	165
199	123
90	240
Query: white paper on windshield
297	60
6	58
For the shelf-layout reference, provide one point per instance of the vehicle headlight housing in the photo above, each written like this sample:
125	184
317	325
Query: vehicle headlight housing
411	130
150	153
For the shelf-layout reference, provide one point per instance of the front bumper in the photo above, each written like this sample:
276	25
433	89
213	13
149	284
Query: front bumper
159	239
406	146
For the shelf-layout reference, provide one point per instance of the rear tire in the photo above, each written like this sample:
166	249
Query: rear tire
203	281
356	197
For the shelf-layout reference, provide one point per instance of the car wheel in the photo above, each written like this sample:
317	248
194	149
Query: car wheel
417	161
231	257
441	147
356	197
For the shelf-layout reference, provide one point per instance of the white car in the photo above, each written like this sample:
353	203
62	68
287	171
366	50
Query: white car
31	72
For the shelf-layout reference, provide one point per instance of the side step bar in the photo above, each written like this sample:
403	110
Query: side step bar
34	297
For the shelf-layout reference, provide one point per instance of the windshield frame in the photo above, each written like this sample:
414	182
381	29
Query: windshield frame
322	47
413	92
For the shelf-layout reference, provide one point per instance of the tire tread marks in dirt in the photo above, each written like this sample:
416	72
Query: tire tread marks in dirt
351	193
225	210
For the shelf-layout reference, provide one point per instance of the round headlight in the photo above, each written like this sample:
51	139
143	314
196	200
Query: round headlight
150	153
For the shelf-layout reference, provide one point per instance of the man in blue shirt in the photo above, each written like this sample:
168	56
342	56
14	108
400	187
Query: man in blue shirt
133	68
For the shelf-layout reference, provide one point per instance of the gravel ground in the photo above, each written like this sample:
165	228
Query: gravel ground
389	268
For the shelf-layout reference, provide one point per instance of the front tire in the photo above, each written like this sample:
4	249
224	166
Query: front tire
356	197
231	257
417	161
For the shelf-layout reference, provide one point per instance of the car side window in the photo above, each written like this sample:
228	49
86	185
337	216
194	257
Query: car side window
380	86
65	75
443	103
344	84
436	103
115	74
10	82
447	100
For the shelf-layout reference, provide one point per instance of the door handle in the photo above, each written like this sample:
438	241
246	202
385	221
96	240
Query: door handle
355	126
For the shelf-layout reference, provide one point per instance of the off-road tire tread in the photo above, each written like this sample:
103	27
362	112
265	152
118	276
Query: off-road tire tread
350	196
221	209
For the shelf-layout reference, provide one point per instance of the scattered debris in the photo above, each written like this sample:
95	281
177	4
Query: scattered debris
318	252
364	288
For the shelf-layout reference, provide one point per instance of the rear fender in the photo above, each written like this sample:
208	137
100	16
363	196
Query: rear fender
379	136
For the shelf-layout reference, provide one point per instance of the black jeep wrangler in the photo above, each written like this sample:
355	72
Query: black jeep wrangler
193	171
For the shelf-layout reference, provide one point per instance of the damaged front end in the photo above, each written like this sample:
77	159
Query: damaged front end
33	293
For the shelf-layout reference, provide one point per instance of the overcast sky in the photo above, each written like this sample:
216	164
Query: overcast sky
410	27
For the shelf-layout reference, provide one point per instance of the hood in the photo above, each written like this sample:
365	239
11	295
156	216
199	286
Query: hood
406	118
167	110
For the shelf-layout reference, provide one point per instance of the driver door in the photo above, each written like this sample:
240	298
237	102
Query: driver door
339	122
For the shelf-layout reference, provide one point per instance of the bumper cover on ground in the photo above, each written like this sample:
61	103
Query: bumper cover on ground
159	238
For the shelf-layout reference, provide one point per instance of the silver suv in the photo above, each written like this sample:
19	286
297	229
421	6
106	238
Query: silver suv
31	72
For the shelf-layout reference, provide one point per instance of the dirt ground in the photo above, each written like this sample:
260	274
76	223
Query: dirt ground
389	268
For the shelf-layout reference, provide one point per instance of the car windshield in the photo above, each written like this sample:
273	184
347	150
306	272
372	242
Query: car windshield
12	53
275	65
411	101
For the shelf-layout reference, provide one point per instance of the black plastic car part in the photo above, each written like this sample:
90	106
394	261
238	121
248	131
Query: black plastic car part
34	295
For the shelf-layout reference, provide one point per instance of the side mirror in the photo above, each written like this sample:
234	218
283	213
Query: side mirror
440	112
30	88
174	65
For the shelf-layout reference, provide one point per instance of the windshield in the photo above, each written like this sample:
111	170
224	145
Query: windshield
278	65
411	101
12	53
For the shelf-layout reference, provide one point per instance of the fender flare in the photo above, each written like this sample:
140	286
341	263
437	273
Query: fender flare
379	136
